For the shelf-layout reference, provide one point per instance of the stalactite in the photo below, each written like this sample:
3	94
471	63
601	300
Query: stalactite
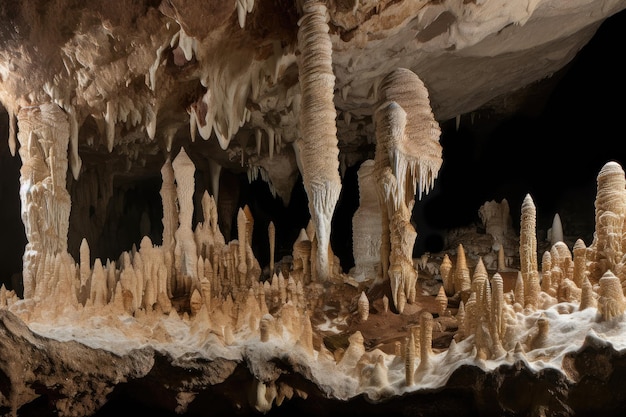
318	151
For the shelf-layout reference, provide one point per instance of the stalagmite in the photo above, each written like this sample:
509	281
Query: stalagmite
442	301
318	154
265	326
185	250
556	231
580	261
501	259
426	338
460	317
409	359
610	212
528	250
445	269
363	307
98	285
611	302
43	133
546	270
385	303
85	271
587	299
519	290
461	271
496	321
170	208
366	226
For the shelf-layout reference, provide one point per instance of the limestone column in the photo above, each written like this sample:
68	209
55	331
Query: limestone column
185	252
43	133
318	154
366	226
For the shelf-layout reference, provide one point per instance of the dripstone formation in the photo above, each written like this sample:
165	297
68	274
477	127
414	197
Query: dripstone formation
198	315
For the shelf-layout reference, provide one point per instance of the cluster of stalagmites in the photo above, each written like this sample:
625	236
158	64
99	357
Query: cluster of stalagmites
194	272
217	286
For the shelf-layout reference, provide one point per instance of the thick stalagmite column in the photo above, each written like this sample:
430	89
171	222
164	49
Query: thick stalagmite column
317	148
43	134
170	209
366	226
528	251
185	253
610	207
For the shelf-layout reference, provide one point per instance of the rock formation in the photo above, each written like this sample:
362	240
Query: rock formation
106	96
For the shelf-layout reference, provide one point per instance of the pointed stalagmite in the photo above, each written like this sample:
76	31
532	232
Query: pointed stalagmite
445	269
462	281
442	301
363	307
318	154
85	271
